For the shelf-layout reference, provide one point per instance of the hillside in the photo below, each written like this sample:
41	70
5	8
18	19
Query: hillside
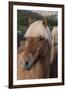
23	17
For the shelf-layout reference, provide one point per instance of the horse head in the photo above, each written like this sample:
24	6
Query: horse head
37	44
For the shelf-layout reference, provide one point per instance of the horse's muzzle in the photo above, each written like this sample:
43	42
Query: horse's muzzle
28	65
31	61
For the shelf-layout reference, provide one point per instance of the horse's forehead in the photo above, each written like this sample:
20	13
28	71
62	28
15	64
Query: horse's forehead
37	29
32	40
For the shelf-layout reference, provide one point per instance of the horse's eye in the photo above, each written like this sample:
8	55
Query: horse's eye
41	39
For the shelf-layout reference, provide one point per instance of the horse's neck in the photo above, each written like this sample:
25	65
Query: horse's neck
48	34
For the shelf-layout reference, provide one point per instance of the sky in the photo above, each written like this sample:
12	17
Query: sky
46	13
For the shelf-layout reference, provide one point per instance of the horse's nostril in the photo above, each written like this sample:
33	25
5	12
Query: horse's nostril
26	63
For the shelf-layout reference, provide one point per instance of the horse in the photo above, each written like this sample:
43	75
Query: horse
33	62
54	60
54	35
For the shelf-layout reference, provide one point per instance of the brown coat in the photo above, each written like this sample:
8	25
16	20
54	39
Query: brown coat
41	68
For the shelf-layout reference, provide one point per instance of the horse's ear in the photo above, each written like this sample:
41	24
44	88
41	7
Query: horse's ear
45	22
30	20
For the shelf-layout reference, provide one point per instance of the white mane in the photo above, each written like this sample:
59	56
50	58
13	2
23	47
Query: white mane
55	34
37	29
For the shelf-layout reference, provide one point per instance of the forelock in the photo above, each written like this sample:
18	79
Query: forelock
37	29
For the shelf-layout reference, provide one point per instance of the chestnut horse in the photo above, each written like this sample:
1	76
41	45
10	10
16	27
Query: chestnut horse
34	61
